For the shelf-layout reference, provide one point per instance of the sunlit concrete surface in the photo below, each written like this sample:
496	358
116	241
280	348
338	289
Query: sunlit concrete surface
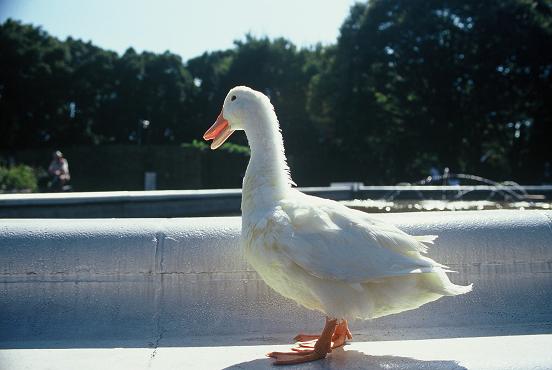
526	352
180	290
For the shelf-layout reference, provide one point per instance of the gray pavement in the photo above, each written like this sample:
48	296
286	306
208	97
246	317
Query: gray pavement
484	353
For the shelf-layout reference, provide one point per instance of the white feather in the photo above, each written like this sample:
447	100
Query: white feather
318	252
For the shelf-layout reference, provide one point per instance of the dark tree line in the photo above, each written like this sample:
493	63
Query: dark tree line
409	85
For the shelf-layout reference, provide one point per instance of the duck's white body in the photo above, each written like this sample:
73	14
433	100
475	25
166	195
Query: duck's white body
318	252
339	261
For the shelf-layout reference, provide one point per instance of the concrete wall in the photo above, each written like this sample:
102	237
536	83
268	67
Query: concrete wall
123	204
214	202
140	282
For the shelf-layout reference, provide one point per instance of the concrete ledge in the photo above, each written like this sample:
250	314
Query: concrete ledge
103	283
158	203
217	202
525	352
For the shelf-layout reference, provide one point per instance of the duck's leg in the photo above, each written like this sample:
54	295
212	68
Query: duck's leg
301	337
340	336
342	333
322	347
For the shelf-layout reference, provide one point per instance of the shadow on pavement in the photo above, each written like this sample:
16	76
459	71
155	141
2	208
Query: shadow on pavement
352	359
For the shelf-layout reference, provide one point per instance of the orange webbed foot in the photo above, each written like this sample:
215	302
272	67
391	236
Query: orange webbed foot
339	338
303	352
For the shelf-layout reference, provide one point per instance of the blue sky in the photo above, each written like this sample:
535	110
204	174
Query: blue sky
184	27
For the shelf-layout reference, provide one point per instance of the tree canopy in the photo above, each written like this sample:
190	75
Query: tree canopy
409	85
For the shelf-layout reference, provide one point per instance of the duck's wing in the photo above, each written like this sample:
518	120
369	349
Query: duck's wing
332	241
390	235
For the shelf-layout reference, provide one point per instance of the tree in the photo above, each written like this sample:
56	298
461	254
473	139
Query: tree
278	69
410	84
66	93
413	84
33	74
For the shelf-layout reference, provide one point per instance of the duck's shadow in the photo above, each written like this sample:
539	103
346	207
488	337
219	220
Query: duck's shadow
352	359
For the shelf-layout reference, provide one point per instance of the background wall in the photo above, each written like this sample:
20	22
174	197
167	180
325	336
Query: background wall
148	282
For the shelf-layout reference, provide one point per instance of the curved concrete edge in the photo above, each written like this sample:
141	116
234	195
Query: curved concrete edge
22	199
185	282
335	192
77	247
74	249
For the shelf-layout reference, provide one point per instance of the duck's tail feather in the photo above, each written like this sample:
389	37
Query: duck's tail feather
429	239
422	248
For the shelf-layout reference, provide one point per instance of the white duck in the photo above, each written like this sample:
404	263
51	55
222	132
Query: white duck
318	252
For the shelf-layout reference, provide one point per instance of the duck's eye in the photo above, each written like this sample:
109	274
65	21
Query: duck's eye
233	98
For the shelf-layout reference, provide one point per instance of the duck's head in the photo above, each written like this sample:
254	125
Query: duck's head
242	107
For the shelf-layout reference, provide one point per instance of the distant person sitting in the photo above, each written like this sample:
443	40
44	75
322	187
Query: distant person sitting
59	170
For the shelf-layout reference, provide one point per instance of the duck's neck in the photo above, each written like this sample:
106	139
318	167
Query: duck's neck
267	177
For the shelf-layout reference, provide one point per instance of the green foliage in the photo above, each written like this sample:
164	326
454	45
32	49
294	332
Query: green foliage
236	148
226	147
196	144
17	178
414	84
409	85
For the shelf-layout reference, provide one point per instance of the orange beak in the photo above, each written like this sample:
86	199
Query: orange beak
219	132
